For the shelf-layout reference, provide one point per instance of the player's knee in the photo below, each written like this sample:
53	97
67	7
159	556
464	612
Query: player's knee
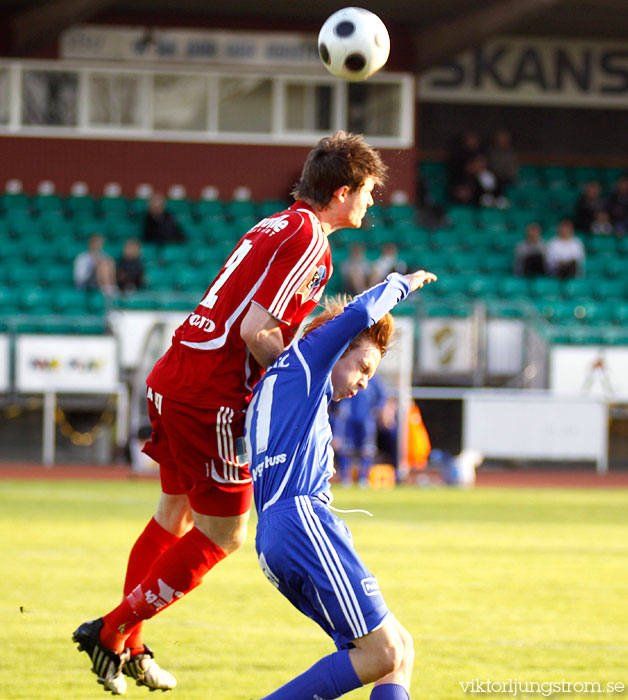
234	541
408	646
389	657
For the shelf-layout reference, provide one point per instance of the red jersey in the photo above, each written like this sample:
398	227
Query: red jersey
283	264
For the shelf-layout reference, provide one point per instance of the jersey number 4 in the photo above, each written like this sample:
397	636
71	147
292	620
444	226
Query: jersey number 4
235	259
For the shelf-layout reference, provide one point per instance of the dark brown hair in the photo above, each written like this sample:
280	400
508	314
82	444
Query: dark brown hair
337	160
380	334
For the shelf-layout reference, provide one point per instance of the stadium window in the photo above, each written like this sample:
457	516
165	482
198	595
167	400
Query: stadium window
308	107
114	100
245	104
374	108
49	97
4	96
180	102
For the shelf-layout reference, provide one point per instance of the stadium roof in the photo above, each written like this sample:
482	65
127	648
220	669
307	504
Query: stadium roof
441	28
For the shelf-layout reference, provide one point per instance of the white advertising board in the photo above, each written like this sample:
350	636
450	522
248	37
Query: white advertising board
504	346
536	425
66	363
533	71
131	328
4	362
446	346
189	46
594	371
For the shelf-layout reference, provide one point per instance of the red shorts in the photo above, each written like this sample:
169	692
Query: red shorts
196	452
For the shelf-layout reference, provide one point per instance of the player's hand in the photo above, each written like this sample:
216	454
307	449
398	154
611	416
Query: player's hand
419	278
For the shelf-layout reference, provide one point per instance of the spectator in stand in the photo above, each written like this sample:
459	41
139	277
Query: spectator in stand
130	268
503	159
590	202
480	186
618	206
565	252
531	253
94	269
356	270
601	224
387	262
466	148
159	225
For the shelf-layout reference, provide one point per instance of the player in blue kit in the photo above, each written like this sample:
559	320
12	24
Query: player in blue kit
303	548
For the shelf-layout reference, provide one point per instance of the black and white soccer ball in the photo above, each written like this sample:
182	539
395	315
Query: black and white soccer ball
353	43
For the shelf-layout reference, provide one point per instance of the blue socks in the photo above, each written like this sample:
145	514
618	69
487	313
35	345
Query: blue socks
329	678
389	691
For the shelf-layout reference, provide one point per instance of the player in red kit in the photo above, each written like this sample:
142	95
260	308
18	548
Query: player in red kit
198	393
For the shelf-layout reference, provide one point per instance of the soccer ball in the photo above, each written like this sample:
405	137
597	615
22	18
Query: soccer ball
353	43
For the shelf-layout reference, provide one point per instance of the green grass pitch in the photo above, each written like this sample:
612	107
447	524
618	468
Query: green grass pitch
494	584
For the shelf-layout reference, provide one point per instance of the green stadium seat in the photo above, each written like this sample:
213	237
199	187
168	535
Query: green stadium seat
380	235
578	288
556	176
135	301
514	288
583	174
191	280
461	217
411	236
56	275
600	245
545	287
37	300
83	205
179	207
446	239
237	209
609	289
483	287
210	209
494	263
22	275
47	203
113	206
14	201
175	254
453	286
70	301
613	266
401	213
9	300
269	207
89	325
445	308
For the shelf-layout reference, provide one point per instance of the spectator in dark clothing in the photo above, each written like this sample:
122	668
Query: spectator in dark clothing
618	206
159	225
530	254
588	204
503	159
466	148
479	186
130	269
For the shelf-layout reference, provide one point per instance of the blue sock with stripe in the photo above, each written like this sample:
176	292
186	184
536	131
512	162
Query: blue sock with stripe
329	678
389	691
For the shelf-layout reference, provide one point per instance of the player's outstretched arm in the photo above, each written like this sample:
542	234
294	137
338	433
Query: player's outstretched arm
262	335
419	278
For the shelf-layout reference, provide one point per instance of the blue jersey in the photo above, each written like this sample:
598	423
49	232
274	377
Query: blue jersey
287	430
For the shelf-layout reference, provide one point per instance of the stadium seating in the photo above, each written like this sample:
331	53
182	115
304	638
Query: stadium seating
41	234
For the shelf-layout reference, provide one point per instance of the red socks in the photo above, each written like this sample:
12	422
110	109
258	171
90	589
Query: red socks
177	571
149	545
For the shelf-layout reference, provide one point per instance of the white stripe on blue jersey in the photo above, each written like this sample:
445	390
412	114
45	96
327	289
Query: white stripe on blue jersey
288	435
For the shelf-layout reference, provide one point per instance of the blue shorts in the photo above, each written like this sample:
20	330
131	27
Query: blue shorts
307	553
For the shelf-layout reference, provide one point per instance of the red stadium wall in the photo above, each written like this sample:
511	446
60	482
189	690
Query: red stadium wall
269	171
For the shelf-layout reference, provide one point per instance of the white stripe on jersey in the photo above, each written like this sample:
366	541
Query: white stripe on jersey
306	367
332	566
264	411
219	342
289	286
303	273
